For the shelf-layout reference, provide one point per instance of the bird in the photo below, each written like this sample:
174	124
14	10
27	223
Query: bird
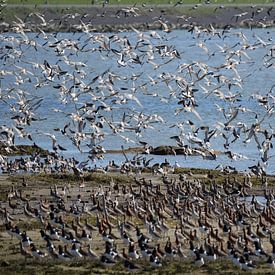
85	237
74	251
62	255
25	252
270	262
107	261
169	250
13	231
106	237
199	261
25	240
154	259
245	265
132	252
110	252
126	239
91	253
104	104
35	252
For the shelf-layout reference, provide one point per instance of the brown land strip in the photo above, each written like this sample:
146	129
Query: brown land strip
22	150
114	18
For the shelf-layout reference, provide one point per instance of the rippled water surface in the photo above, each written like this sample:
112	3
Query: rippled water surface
154	84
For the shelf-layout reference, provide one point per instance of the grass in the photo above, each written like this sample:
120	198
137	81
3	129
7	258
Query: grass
207	175
29	225
22	150
173	2
93	267
132	2
91	178
95	179
10	13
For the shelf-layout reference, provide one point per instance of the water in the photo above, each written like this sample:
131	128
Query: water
260	199
82	57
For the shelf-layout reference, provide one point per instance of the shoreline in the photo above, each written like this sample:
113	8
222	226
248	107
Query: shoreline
161	150
78	18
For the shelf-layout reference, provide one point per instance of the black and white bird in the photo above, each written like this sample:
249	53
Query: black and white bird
270	262
107	261
154	259
36	252
199	261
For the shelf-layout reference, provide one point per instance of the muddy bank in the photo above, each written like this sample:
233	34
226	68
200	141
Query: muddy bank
23	150
165	150
115	18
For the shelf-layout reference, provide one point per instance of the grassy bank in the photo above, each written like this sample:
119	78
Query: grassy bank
11	13
22	150
95	178
132	2
94	267
68	18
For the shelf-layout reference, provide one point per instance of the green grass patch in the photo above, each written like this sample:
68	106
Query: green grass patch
30	224
91	178
3	194
95	267
9	13
51	2
208	175
132	2
174	2
95	179
25	225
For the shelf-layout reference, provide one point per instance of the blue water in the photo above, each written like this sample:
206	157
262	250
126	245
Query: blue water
254	68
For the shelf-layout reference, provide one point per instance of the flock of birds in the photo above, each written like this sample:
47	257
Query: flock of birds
95	107
60	73
152	220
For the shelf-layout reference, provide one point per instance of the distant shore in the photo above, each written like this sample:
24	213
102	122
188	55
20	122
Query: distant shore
115	18
26	150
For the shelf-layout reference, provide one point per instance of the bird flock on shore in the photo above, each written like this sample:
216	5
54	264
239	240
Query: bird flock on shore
152	220
99	83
